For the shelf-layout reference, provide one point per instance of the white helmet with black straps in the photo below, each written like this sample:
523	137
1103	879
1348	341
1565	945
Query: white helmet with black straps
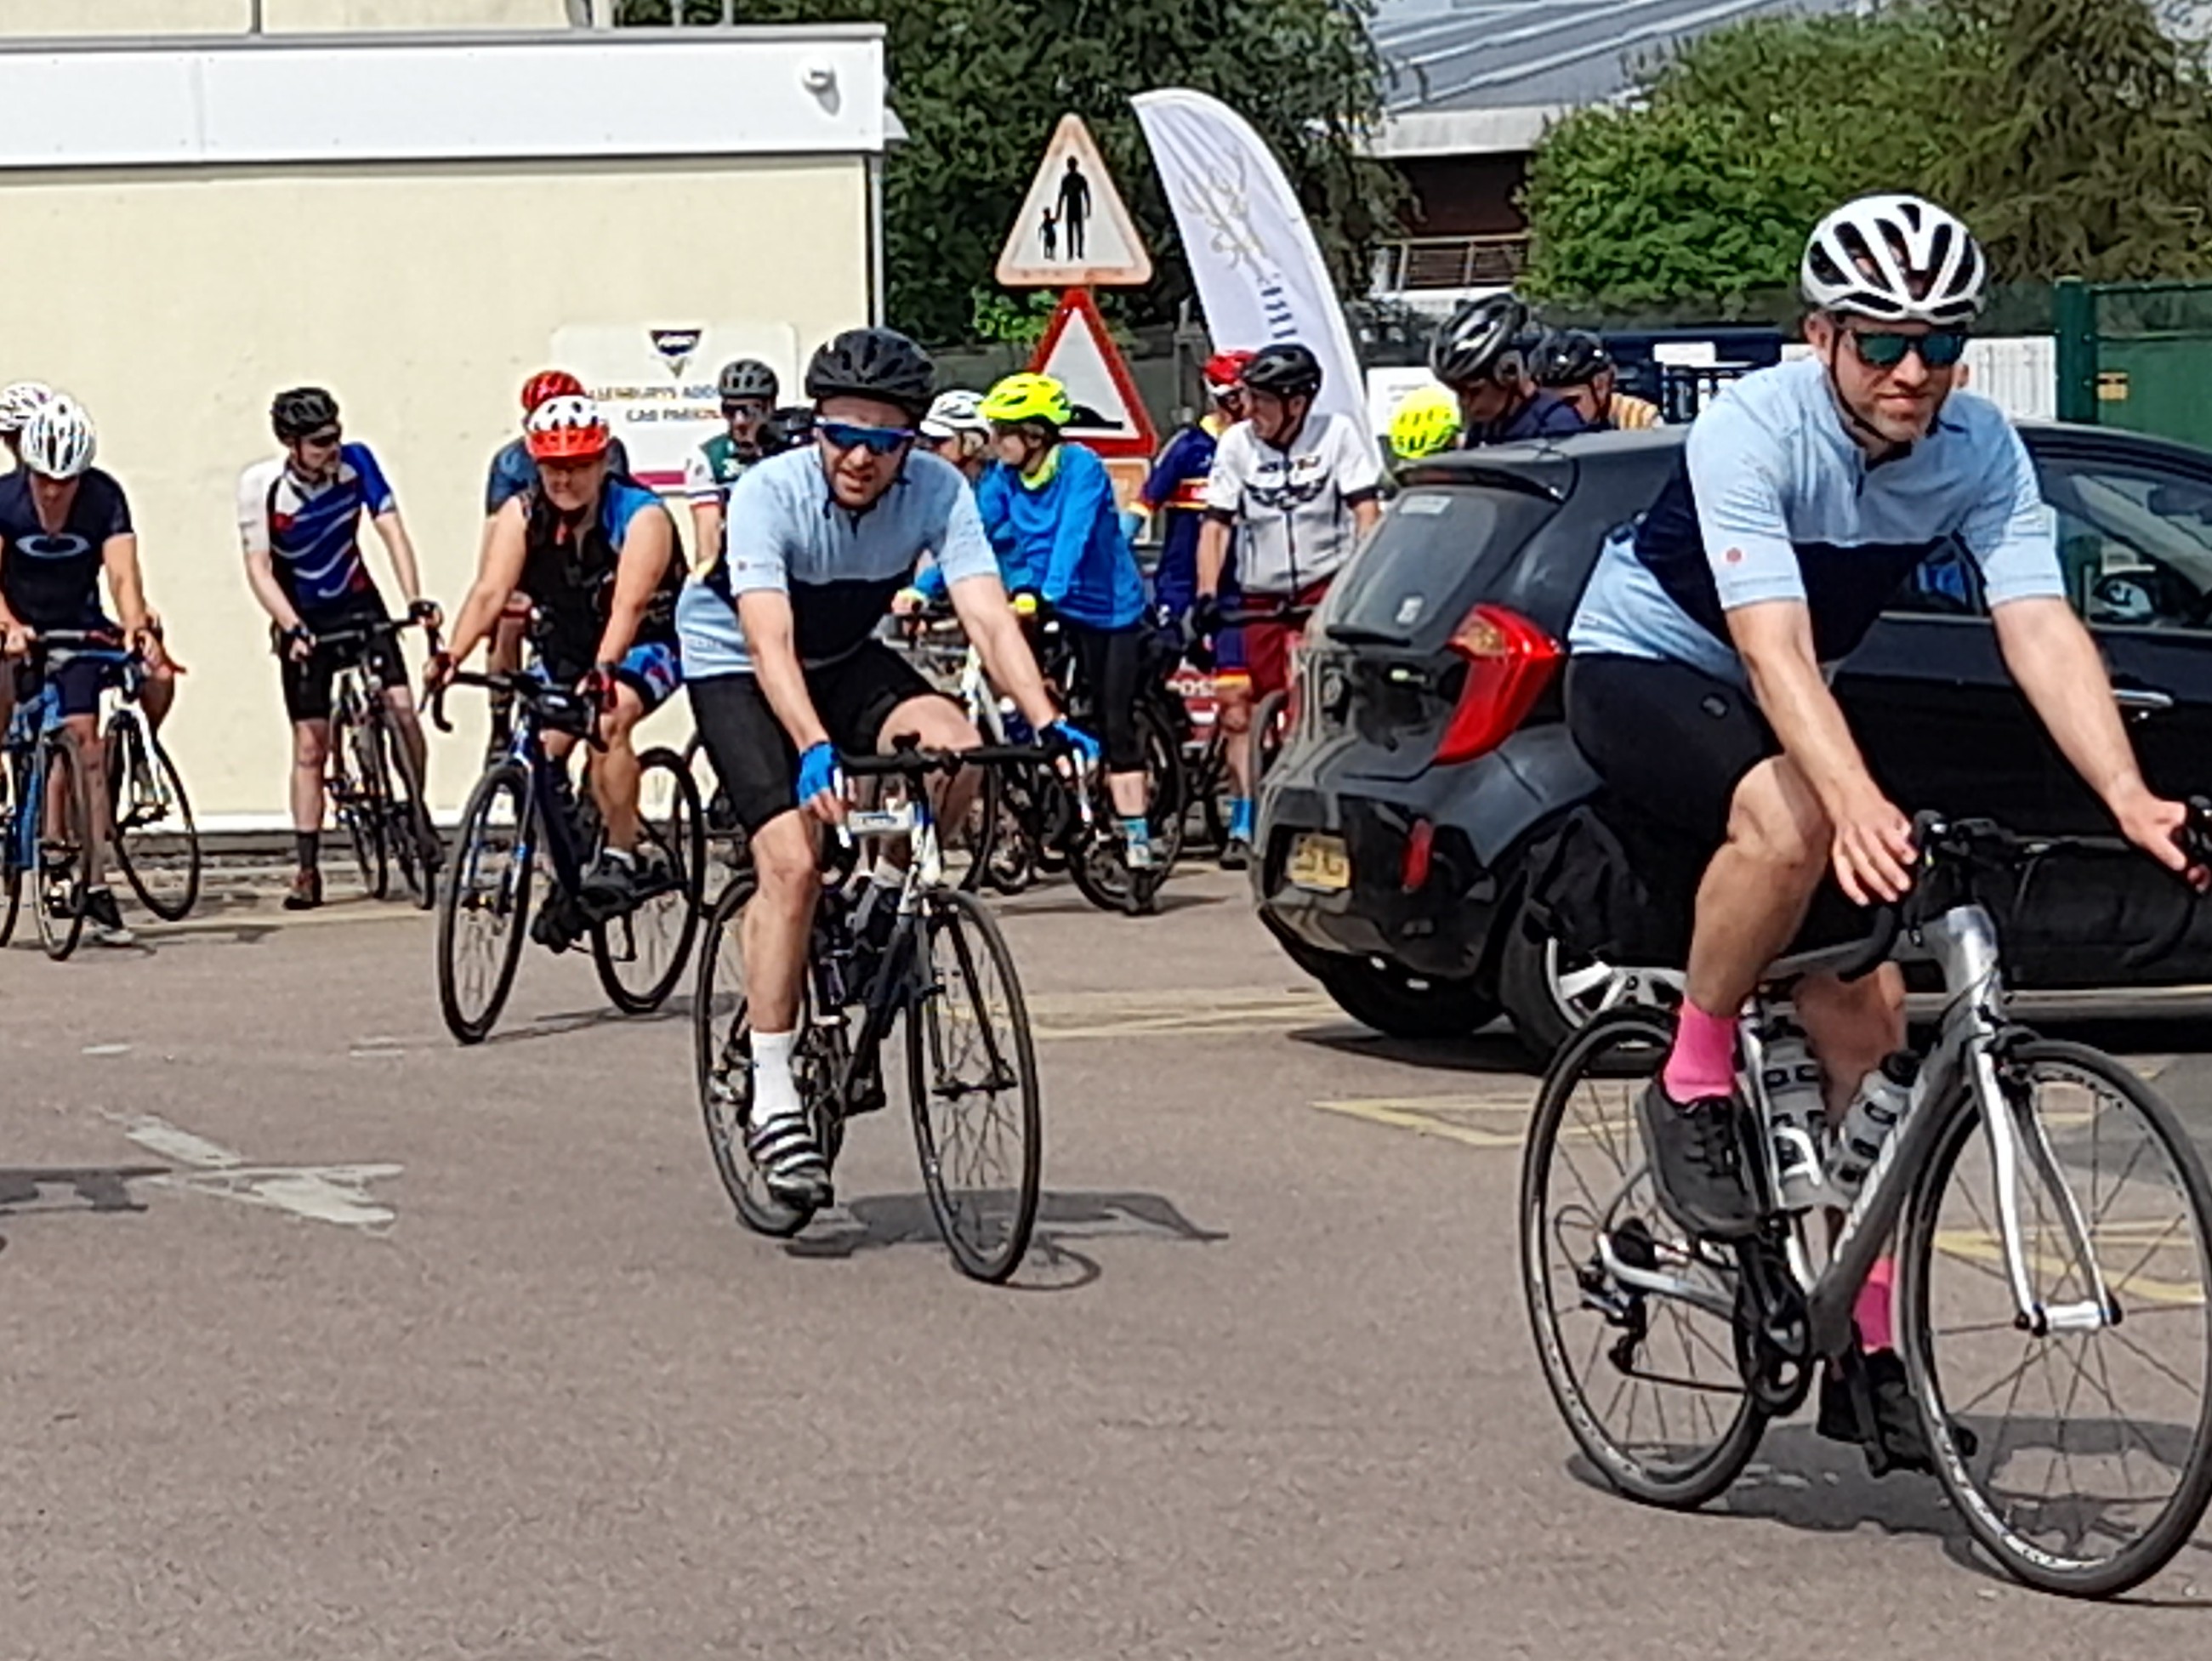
19	402
1894	259
58	441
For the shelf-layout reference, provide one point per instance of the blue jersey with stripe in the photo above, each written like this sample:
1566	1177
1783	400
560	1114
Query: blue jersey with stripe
310	529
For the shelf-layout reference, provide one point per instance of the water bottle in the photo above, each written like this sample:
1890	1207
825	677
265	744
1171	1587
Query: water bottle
1797	1116
1873	1114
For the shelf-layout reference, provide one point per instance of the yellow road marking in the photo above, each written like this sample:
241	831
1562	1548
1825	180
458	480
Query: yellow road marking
1980	1245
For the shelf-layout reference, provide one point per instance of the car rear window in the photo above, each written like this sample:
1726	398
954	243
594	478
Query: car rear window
1433	541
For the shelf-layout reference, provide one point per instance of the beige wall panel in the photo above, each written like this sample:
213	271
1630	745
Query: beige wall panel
421	296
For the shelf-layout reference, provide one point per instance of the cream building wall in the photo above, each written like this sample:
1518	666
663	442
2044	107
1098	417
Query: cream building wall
185	17
175	300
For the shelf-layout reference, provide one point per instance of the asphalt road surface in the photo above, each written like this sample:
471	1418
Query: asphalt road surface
326	1338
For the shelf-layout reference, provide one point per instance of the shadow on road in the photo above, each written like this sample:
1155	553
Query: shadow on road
677	1008
1493	1051
1068	904
26	1192
1054	1263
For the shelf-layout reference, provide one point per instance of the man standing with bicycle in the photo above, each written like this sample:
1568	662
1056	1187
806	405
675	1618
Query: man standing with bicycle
597	556
1301	487
299	519
63	523
784	672
1698	688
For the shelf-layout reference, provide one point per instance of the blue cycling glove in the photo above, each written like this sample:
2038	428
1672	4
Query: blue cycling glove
819	774
1074	738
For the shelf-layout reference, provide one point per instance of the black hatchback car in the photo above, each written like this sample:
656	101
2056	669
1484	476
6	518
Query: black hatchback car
1427	755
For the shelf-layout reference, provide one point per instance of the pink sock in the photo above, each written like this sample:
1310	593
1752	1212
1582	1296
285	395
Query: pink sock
1703	1060
1871	1311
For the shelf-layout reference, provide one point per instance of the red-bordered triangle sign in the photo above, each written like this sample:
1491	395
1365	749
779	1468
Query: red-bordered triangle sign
1079	353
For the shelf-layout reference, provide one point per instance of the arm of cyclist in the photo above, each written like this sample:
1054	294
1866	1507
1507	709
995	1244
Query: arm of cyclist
498	569
15	633
648	547
399	548
260	566
2051	656
1089	495
119	556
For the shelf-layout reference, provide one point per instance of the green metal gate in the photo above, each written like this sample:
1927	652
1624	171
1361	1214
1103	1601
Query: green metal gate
2137	356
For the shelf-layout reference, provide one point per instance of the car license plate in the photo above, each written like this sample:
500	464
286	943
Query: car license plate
1320	863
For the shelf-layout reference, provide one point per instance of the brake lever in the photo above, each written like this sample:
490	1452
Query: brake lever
2196	843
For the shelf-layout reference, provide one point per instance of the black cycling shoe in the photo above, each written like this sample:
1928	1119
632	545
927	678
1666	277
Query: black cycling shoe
1236	854
609	888
1899	1441
1698	1163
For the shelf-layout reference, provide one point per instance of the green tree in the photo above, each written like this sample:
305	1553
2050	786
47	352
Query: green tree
980	85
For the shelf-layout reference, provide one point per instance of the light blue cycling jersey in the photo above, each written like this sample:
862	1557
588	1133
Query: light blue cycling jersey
1775	500
785	533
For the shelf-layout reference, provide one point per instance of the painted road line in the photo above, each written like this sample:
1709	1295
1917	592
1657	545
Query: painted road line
1194	1010
334	1194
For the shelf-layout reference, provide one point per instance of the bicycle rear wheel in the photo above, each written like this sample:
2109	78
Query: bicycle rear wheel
721	1032
156	843
59	898
11	874
969	848
408	833
483	910
2084	1502
1648	1383
972	1087
642	954
358	789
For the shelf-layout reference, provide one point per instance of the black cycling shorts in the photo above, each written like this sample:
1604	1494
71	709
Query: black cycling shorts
755	758
308	685
1670	742
1111	662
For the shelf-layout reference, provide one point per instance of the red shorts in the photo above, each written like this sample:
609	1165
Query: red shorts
1267	644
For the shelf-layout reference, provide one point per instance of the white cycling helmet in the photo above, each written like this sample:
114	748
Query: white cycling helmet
19	402
954	413
1896	260
58	441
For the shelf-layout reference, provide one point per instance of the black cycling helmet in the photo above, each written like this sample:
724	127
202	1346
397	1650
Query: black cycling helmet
302	411
750	380
1571	357
1289	370
1480	341
787	429
879	363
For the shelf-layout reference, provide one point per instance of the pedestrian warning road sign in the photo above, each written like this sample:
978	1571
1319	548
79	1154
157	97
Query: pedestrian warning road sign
1073	226
1079	353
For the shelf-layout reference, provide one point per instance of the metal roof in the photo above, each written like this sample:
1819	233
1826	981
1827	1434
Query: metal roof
1471	55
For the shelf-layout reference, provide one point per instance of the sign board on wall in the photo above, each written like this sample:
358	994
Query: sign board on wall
657	381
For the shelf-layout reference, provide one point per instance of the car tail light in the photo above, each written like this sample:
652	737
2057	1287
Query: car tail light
1413	868
1509	661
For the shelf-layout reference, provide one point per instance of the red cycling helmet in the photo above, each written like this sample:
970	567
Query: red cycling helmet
1225	371
548	383
568	430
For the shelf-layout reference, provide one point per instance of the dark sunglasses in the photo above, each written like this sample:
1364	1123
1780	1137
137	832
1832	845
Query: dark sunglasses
1884	349
876	441
745	407
323	441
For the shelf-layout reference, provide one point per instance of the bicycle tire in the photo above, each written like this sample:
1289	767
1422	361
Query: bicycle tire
147	762
510	898
64	770
1923	1234
352	790
988	1230
682	842
1633	1041
981	841
1267	730
11	874
409	832
720	1059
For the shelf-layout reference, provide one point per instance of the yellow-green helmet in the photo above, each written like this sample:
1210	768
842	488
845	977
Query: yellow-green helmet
1426	422
1021	398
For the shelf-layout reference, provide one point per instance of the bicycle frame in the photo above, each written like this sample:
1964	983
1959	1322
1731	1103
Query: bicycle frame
1962	942
31	722
549	811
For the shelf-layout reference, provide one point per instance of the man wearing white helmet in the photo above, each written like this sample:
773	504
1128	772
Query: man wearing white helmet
63	524
955	430
18	403
1808	493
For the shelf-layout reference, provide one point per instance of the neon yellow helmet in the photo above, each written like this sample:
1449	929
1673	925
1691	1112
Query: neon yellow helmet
1426	422
1021	398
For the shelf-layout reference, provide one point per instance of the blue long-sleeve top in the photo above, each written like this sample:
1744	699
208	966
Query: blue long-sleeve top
1061	533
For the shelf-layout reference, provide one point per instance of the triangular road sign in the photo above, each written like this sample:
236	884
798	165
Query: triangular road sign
1073	226
1079	353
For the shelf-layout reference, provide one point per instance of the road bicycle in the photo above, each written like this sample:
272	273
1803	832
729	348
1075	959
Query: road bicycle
375	789
523	808
2050	1223
45	807
944	970
156	843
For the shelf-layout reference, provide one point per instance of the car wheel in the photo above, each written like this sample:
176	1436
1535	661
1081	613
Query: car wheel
1551	991
1394	1001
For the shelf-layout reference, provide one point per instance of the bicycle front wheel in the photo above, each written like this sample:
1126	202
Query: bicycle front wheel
2091	1459
1647	1379
408	834
357	788
11	872
972	1087
483	910
156	843
642	954
59	899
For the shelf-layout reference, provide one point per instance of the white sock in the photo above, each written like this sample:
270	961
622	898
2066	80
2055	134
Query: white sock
776	1092
621	856
887	877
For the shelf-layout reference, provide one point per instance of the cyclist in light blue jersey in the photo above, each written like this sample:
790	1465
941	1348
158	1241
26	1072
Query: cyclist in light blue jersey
1698	688
784	670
